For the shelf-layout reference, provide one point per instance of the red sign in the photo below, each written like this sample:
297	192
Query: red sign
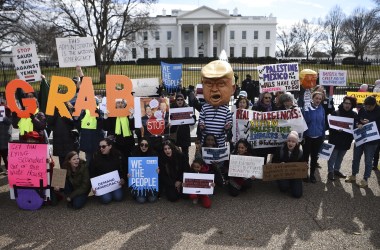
156	127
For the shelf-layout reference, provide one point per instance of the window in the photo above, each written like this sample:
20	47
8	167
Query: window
215	51
244	35
134	53
256	34
243	52
169	35
266	51
187	35
200	35
255	49
146	53
232	34
158	53
187	52
232	52
145	35
170	54
215	35
267	34
157	35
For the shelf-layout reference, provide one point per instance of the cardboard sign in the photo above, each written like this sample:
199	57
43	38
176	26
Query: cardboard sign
58	179
341	123
366	134
106	183
171	76
2	113
283	171
152	115
332	77
143	174
181	116
75	51
27	164
246	166
145	86
194	183
325	151
361	96
278	77
27	63
215	154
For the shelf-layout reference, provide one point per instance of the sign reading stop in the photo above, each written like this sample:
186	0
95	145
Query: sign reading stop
155	127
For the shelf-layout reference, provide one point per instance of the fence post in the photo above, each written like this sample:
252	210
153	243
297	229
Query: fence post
3	68
364	73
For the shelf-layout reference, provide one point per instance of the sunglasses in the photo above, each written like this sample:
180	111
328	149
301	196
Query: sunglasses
179	99
144	145
103	146
267	97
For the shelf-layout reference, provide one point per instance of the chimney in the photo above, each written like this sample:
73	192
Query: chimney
163	12
235	12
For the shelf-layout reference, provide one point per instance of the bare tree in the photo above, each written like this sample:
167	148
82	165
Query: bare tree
360	29
333	30
308	34
109	22
287	41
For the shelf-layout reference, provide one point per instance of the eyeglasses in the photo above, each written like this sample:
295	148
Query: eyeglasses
144	145
103	146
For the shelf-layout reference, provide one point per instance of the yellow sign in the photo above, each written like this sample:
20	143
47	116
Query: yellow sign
361	96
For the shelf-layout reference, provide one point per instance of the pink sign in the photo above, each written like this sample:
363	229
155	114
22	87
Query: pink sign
27	164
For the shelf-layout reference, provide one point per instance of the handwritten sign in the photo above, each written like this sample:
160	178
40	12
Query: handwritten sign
341	123
332	77
283	171
59	178
27	164
366	134
361	96
325	151
215	154
75	51
246	166
145	86
2	113
26	62
198	183
181	116
106	183
171	76
278	77
143	175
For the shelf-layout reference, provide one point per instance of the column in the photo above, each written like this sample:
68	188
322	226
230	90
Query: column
227	40
211	43
195	40
179	40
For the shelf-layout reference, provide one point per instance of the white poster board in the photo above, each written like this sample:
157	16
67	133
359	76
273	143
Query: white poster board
325	151
278	77
341	123
194	183
145	87
106	183
75	51
215	154
181	116
27	63
366	134
2	113
246	166
332	77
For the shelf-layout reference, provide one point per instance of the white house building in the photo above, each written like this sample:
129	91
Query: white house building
205	32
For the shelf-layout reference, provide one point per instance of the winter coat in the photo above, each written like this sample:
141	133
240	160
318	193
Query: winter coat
79	179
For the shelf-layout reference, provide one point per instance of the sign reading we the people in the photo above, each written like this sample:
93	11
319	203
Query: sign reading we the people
332	77
283	171
194	183
325	151
246	166
143	176
75	51
106	183
278	77
171	76
27	164
27	63
366	134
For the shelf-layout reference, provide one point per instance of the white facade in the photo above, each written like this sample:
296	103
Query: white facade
205	32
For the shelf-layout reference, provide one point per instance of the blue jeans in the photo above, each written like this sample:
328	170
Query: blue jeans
142	199
116	195
369	151
78	201
295	186
336	159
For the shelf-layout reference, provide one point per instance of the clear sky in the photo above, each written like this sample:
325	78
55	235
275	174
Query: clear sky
287	12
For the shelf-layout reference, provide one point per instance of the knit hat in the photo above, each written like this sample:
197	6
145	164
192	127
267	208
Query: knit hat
293	134
243	93
179	96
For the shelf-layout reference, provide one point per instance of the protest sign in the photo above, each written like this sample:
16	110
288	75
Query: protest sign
106	183
366	134
278	77
74	51
171	76
145	87
332	77
325	151
152	114
246	166
361	96
282	171
341	123
26	63
143	175
267	129
181	116
2	113
59	178
199	91
215	154
27	165
197	183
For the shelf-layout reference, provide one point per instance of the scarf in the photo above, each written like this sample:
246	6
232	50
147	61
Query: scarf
25	125
122	125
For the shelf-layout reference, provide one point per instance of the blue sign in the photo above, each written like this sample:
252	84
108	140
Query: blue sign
171	76
143	177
